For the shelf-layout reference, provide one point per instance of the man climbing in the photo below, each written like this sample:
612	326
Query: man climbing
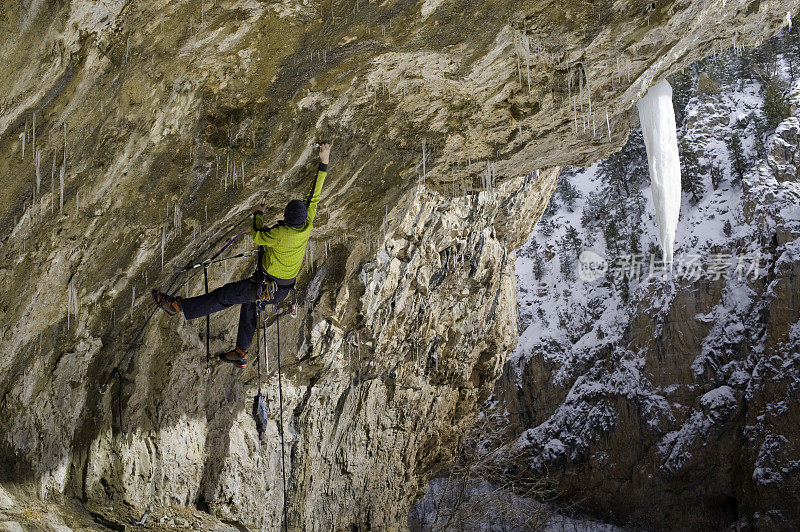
284	247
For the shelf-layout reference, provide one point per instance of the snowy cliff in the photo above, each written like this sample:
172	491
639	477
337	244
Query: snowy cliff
132	133
658	399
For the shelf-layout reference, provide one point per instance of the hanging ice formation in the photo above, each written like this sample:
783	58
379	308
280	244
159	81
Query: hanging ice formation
657	117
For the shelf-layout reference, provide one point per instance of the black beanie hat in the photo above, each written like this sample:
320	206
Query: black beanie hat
295	213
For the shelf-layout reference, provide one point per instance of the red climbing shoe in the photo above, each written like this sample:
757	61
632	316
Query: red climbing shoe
237	357
170	305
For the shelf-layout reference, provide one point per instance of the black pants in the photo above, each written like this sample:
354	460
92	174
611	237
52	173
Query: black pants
244	293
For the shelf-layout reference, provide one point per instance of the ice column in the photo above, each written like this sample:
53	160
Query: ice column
657	117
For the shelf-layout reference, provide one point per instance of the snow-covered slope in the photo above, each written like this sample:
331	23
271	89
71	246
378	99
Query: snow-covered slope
671	398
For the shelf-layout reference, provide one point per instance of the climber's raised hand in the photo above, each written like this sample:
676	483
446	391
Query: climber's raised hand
324	152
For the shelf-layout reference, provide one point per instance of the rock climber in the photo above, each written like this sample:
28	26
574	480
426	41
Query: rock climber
284	247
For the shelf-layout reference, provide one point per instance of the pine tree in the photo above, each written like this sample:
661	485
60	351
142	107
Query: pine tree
552	207
572	239
611	234
716	175
760	126
681	93
738	159
625	291
538	266
570	249
691	175
635	246
567	191
545	226
566	261
653	250
776	104
624	167
636	220
594	212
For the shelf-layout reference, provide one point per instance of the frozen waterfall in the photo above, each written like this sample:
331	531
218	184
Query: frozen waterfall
657	117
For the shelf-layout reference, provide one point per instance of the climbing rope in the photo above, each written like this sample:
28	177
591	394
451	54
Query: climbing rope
259	409
280	404
208	326
126	358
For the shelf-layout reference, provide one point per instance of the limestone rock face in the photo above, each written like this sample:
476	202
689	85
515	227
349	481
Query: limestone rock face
133	133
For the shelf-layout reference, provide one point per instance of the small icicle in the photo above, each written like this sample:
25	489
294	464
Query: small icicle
61	189
163	238
424	160
177	219
588	90
528	60
72	301
53	183
38	169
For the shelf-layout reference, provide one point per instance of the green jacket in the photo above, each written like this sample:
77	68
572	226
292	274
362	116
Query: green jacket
285	246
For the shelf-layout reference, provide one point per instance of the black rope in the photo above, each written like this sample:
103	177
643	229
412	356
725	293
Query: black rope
238	256
208	327
258	348
280	399
117	370
125	360
215	242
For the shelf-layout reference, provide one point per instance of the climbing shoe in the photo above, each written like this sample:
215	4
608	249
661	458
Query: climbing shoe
237	357
170	305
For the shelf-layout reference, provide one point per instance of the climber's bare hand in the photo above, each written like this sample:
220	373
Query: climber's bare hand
324	152
258	208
